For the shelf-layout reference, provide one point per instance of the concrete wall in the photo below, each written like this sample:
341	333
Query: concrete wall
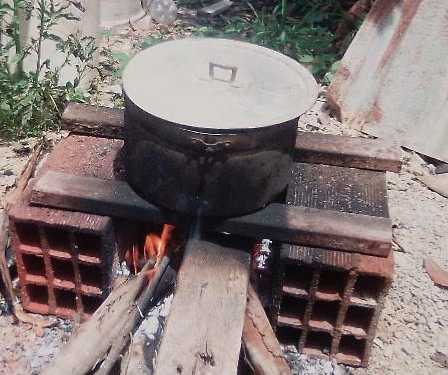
87	25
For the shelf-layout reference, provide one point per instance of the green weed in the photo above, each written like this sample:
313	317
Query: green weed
31	101
301	29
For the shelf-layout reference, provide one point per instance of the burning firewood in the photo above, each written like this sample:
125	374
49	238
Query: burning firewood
104	336
139	253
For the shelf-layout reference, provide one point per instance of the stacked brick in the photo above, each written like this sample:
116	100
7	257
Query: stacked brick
65	260
328	302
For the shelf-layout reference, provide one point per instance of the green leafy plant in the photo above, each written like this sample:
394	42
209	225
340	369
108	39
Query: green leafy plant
301	29
31	101
305	37
119	60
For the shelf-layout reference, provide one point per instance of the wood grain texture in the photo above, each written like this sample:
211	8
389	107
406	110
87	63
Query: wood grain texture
318	148
260	343
204	327
93	120
292	224
334	188
344	190
373	154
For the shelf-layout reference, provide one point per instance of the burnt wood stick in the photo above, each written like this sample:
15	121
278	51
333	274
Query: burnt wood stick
317	148
139	355
94	339
285	223
204	326
6	276
134	318
260	343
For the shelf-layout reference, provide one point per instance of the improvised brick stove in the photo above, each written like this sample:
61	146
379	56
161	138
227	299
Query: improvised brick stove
326	300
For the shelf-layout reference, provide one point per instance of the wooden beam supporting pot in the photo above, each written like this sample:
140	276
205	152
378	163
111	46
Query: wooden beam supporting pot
374	154
293	224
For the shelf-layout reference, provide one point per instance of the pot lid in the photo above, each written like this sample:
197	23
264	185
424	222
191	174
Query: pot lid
218	84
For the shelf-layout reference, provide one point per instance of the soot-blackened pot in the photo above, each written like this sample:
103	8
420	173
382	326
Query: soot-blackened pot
210	124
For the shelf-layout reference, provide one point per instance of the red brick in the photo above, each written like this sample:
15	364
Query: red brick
328	302
66	259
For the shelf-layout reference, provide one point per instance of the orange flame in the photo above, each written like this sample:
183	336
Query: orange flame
154	246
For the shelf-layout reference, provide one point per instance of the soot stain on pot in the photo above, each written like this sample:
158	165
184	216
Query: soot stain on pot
205	162
193	171
218	146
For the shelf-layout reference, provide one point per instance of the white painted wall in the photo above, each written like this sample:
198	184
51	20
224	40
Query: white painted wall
87	25
119	12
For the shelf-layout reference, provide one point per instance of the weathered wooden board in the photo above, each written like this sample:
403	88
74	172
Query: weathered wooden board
93	120
373	154
393	79
205	323
345	190
292	224
260	343
310	147
334	188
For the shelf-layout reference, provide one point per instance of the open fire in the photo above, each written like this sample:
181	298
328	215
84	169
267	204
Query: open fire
152	246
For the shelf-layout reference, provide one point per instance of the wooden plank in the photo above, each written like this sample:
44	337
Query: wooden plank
345	190
350	152
292	224
315	227
327	187
93	120
93	194
259	340
310	147
205	323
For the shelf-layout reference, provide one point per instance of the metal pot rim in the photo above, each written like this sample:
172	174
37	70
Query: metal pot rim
153	119
218	85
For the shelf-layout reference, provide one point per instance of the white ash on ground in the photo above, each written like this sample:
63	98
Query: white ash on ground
414	323
301	364
26	349
146	339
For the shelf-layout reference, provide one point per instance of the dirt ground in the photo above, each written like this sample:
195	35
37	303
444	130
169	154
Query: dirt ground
412	334
413	331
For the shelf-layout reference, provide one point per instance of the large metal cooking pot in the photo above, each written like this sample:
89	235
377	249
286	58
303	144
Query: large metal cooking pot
210	124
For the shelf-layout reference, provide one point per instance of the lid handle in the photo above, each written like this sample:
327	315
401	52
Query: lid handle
211	71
